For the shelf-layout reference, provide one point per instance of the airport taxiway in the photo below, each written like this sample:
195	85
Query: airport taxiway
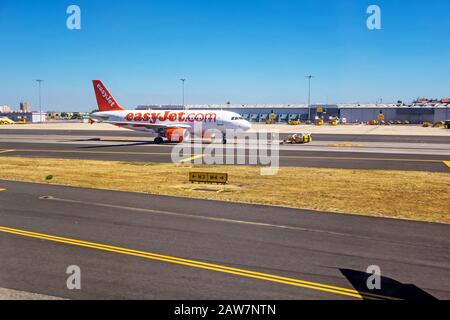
140	246
417	153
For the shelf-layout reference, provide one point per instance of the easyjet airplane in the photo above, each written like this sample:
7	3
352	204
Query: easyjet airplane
173	125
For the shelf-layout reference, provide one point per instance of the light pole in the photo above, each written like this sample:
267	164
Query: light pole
183	81
309	96
40	100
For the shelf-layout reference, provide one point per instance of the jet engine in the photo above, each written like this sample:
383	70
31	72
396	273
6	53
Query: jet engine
178	135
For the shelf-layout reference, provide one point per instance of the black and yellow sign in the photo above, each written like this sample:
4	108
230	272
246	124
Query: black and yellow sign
320	110
205	177
381	116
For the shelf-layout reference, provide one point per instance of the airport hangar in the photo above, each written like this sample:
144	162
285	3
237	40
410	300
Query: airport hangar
353	113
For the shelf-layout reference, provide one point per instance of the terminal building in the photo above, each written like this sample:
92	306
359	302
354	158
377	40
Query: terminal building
352	113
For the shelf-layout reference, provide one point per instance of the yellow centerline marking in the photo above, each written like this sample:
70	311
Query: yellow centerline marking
1	189
90	152
447	163
196	264
345	145
189	159
365	159
198	156
6	151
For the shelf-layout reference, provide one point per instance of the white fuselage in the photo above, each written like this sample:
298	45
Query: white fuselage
157	120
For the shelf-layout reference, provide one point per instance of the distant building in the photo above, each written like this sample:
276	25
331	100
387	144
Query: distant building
25	107
147	107
54	115
31	117
422	101
426	101
5	109
353	112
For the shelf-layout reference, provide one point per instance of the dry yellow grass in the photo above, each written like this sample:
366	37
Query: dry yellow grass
398	194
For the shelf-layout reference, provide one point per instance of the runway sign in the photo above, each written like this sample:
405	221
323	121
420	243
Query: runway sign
205	177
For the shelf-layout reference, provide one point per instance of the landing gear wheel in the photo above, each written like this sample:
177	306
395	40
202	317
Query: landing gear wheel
159	140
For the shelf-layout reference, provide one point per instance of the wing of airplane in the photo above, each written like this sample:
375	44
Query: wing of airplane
173	132
154	126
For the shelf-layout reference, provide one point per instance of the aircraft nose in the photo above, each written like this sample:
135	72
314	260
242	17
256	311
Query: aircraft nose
246	125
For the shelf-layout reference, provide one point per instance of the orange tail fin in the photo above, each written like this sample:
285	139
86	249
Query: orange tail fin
105	100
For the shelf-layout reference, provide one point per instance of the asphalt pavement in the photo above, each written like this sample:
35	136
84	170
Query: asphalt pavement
139	246
347	152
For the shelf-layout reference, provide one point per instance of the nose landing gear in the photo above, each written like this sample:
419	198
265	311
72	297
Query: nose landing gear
158	140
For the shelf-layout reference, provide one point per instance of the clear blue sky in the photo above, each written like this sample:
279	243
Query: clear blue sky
242	51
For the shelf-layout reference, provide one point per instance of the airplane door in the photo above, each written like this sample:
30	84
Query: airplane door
220	122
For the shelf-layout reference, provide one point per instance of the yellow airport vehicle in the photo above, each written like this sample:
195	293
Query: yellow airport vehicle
447	124
334	122
320	122
294	122
439	124
272	118
6	121
299	138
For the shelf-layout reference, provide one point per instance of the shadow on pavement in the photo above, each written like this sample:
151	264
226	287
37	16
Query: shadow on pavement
389	287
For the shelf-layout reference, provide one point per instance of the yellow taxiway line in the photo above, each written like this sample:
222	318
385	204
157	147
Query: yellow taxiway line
362	159
447	163
189	159
88	152
197	264
1	189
